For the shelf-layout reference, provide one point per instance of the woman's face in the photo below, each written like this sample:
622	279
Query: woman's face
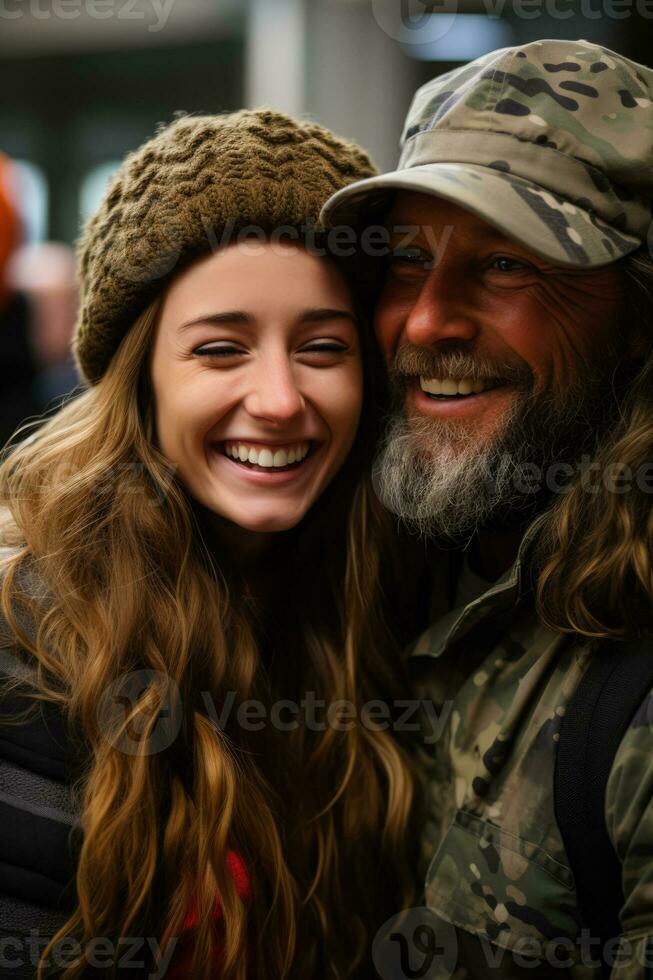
257	377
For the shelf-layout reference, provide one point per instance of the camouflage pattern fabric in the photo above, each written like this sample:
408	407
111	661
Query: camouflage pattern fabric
493	859
551	142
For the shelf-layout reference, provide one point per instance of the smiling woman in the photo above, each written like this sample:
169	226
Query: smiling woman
258	407
236	567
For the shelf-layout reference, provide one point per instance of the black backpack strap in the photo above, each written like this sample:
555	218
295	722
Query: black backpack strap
615	683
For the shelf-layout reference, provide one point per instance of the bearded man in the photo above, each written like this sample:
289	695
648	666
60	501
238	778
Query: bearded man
516	319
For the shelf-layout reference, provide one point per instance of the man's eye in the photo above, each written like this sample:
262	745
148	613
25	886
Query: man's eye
415	257
221	350
505	264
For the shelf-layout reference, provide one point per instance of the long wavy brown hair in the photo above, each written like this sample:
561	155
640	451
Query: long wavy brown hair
594	554
131	578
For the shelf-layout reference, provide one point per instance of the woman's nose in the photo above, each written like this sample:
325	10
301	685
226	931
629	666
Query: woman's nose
274	394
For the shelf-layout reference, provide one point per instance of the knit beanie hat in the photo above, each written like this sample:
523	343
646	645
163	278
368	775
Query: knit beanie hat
189	189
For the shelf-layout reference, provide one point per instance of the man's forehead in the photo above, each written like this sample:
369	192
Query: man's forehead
428	210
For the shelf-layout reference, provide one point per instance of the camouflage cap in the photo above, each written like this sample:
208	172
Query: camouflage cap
551	142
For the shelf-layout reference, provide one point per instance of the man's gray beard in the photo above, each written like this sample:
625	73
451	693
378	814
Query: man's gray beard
433	474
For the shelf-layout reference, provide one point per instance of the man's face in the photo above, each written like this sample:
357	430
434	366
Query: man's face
497	358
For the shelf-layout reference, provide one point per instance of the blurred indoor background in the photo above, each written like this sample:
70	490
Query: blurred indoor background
85	81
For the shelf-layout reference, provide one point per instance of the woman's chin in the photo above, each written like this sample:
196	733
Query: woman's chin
271	526
270	522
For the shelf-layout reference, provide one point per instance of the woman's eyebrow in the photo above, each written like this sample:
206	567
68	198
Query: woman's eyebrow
320	313
313	315
229	316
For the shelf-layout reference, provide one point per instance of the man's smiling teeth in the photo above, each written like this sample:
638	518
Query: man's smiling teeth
455	386
275	457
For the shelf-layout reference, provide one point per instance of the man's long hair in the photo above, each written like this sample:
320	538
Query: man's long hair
127	582
594	554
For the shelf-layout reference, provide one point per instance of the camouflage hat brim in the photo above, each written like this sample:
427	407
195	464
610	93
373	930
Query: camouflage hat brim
551	226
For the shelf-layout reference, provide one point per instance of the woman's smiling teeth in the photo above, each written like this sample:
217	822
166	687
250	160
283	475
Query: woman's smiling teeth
268	457
456	386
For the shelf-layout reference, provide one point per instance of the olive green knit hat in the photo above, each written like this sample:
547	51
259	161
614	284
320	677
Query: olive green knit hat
190	188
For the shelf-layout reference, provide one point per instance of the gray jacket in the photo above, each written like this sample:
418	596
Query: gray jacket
39	831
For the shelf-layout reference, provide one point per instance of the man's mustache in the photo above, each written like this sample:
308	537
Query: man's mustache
412	361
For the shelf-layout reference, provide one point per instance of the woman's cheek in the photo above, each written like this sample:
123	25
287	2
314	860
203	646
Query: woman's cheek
353	398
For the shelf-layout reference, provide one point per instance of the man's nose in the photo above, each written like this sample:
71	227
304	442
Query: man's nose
274	395
443	310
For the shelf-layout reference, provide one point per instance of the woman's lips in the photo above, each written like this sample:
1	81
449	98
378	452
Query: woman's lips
265	475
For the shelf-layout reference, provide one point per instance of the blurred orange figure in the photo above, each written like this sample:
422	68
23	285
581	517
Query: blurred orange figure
18	367
11	231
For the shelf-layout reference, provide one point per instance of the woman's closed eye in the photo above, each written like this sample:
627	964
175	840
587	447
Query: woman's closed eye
326	346
320	347
323	353
219	350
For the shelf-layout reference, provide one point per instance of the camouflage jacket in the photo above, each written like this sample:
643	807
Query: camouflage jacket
494	864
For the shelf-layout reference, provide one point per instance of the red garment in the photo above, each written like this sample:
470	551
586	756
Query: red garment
10	225
179	968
